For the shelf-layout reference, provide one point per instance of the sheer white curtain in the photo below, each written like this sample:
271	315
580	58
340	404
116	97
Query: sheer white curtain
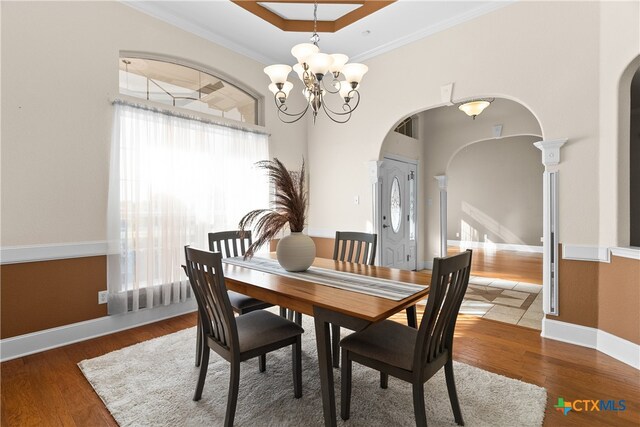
173	180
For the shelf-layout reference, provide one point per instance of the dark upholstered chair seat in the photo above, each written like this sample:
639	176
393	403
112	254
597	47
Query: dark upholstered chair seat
387	341
244	304
260	328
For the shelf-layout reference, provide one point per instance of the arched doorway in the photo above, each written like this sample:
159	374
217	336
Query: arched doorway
444	135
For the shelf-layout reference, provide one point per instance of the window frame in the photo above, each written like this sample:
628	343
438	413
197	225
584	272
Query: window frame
411	121
259	97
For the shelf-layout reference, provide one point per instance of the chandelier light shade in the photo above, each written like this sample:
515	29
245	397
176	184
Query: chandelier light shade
320	74
474	108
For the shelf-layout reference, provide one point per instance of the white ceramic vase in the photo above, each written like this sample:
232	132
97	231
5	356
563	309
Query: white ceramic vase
296	252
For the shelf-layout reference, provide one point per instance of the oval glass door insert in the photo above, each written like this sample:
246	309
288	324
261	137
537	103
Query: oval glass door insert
395	205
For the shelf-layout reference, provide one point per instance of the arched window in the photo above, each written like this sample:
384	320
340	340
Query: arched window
186	87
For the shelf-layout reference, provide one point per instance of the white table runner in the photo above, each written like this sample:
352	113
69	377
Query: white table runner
383	288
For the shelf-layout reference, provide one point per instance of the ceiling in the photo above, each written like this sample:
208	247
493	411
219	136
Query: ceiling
230	25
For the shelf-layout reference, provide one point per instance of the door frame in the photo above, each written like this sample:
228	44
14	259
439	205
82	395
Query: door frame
376	181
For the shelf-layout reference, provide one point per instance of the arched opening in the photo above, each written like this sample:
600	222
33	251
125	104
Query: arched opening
492	176
634	161
628	167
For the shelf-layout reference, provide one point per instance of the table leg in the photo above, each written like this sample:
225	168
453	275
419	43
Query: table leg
326	373
323	318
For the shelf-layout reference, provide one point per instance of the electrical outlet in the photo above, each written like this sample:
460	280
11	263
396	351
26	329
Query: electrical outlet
356	200
103	296
457	234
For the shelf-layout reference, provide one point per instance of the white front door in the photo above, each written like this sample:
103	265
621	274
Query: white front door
398	214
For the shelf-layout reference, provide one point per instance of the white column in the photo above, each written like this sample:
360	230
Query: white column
550	159
442	184
374	178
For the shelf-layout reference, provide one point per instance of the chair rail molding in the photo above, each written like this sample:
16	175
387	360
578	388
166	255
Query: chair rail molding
51	251
598	253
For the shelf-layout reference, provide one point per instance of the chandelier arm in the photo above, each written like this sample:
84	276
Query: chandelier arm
348	109
330	113
324	85
282	112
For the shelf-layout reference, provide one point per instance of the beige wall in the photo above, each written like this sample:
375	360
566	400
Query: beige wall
59	72
495	189
545	55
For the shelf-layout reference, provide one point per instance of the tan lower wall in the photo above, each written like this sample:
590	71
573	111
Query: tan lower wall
324	246
619	298
601	295
42	295
46	294
578	292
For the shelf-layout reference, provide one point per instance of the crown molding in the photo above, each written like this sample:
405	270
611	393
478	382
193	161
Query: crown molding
433	29
148	9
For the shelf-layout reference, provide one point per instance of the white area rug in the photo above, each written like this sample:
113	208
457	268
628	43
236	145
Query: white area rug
152	384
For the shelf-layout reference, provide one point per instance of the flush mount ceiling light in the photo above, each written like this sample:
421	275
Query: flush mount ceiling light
320	73
475	107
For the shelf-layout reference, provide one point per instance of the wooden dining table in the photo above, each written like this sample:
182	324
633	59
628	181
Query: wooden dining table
328	305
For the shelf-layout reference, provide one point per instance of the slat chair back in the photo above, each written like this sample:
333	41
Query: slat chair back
449	280
230	243
355	247
207	280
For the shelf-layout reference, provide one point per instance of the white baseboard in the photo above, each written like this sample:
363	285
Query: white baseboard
30	253
11	348
619	348
425	265
570	333
495	246
616	347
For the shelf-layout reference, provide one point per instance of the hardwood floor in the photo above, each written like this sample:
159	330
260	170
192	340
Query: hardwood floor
48	389
508	265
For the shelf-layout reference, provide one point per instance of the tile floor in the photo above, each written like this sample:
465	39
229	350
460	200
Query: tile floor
504	300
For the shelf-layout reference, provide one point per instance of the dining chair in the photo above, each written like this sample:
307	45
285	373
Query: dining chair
356	247
235	243
409	354
236	339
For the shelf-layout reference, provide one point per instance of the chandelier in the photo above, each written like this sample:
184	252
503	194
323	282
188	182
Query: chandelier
320	73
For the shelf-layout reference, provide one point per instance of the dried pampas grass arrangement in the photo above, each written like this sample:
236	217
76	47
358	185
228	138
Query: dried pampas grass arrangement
289	205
